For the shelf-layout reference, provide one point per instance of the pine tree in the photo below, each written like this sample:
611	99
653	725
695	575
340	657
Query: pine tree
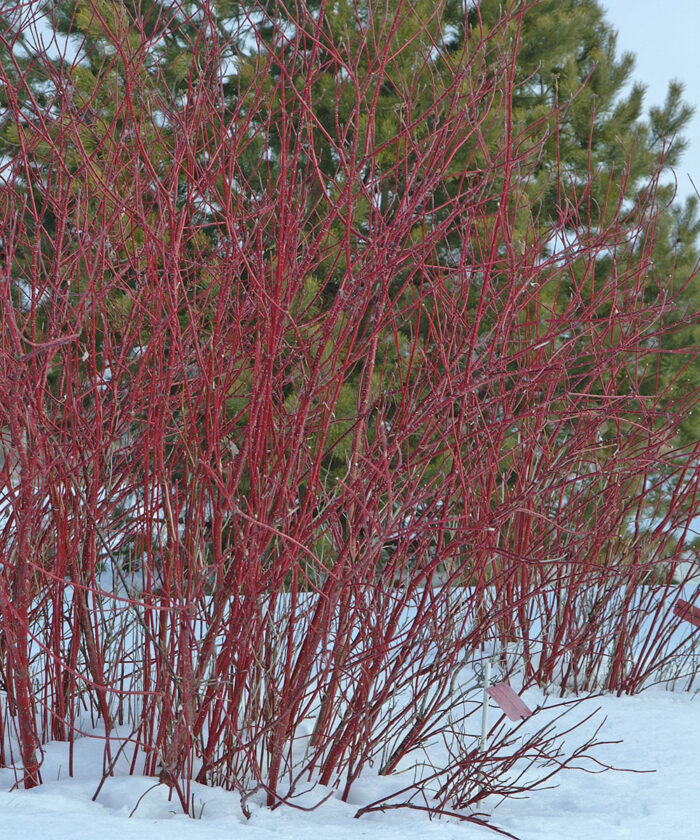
567	59
568	99
570	88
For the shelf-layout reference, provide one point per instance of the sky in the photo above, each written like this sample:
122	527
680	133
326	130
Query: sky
665	35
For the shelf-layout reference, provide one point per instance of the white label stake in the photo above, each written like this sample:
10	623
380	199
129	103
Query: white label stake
485	707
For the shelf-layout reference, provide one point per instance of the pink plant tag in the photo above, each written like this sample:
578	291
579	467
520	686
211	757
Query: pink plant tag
688	612
509	701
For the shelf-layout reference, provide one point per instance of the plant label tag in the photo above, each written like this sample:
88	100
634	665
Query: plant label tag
687	612
509	701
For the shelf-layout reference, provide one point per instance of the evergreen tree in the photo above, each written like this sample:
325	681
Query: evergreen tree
568	60
567	70
571	92
568	97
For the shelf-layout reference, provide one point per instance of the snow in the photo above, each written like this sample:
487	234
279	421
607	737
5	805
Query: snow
659	732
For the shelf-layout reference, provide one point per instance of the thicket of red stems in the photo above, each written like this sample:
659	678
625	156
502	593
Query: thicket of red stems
286	448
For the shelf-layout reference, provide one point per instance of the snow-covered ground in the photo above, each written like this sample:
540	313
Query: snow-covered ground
659	732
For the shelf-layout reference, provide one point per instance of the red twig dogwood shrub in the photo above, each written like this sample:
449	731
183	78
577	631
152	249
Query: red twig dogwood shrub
302	416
